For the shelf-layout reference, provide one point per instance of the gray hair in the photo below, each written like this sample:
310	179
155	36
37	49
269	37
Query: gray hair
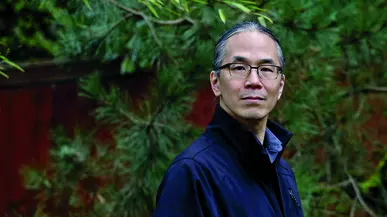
220	49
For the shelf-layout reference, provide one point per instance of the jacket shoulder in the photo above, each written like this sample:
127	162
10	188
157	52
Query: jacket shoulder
197	148
285	168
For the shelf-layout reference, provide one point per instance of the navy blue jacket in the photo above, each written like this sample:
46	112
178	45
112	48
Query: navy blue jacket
226	173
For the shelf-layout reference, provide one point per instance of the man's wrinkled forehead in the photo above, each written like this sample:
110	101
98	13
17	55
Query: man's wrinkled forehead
242	59
251	41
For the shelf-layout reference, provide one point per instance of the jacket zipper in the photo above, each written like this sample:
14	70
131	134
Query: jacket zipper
294	198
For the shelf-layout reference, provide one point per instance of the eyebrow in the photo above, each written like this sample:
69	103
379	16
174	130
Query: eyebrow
245	60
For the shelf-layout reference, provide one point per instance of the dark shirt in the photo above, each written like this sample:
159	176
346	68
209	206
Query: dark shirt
227	172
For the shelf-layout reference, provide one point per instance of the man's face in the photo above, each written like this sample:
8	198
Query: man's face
250	99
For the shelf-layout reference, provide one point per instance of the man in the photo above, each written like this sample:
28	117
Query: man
235	169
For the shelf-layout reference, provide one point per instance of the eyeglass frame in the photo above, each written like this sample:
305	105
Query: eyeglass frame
227	65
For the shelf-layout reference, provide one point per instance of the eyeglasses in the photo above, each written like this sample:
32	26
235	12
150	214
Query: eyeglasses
242	70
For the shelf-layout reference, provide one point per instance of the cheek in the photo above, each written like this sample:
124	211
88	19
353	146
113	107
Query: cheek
273	90
231	88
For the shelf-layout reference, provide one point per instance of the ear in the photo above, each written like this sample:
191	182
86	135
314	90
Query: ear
281	88
214	80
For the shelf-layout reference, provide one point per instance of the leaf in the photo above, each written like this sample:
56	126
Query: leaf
185	5
262	21
3	74
190	33
239	6
221	15
200	2
158	3
257	8
264	16
248	2
127	66
87	4
153	10
7	61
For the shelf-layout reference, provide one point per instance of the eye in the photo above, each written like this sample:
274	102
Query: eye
238	67
267	69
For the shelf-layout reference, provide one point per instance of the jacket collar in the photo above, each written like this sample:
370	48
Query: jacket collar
244	142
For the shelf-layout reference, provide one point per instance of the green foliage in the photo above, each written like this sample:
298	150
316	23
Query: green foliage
334	54
5	60
156	131
26	30
70	181
377	178
122	181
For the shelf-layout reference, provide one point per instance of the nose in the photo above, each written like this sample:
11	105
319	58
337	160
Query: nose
253	80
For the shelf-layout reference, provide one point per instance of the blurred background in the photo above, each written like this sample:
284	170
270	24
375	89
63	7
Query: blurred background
98	96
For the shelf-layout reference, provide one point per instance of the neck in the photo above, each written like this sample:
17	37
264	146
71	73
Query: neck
257	126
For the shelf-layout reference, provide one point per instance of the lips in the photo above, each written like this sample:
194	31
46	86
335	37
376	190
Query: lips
253	98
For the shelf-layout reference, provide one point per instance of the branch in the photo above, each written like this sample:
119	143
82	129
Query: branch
152	145
157	112
353	209
173	22
134	119
115	25
139	121
149	20
152	29
141	14
328	212
359	197
107	33
329	169
339	185
365	90
346	59
123	7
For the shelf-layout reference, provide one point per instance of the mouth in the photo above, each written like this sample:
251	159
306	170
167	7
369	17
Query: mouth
257	98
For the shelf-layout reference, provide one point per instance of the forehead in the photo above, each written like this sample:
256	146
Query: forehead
252	45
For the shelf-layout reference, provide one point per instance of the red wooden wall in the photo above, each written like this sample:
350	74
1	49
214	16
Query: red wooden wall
29	110
25	116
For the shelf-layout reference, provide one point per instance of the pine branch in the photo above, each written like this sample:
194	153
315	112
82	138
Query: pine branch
115	25
353	209
359	197
158	111
132	118
365	90
123	7
152	29
110	30
141	14
328	212
150	20
339	185
148	130
346	58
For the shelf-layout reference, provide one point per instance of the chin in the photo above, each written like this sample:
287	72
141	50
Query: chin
253	115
